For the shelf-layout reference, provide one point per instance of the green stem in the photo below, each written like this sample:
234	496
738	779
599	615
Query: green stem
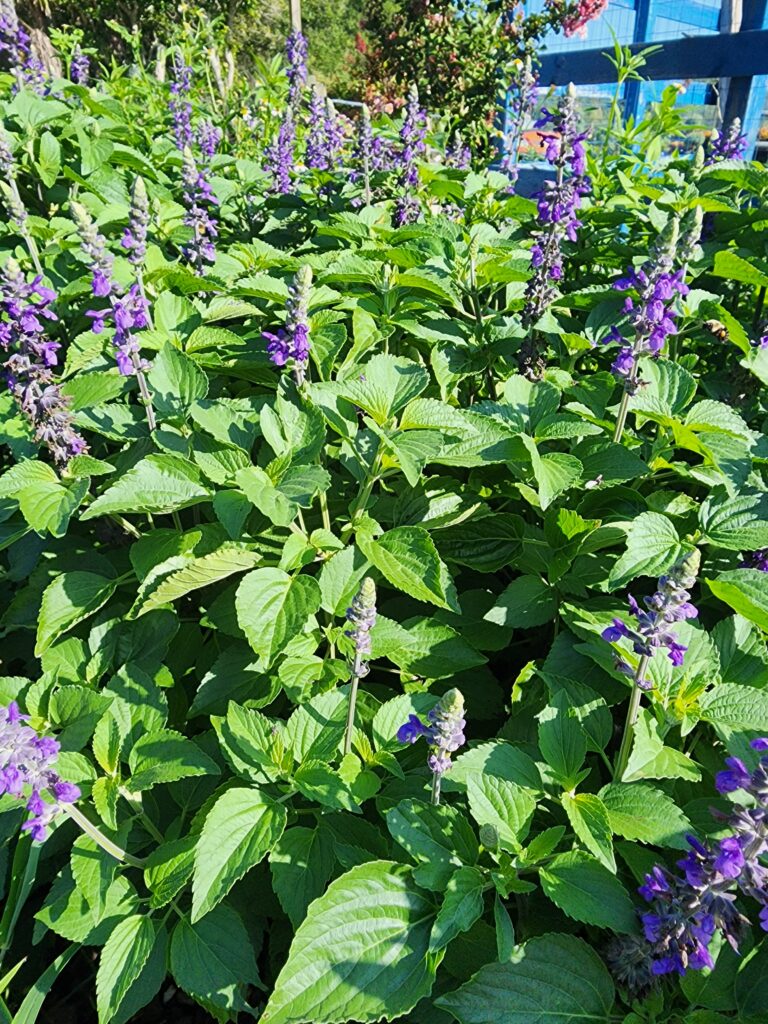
357	669
436	781
98	837
632	712
621	417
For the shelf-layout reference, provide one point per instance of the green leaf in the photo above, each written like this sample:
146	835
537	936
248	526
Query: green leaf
555	473
69	599
440	837
239	831
729	265
650	759
321	784
126	952
562	740
461	907
218	565
642	812
301	863
586	891
497	758
667	390
213	961
49	158
388	383
746	591
176	382
157	484
652	547
166	756
408	559
486	545
751	985
737	524
590	821
556	979
273	608
361	952
168	869
93	870
739	707
48	505
260	490
527	602
503	804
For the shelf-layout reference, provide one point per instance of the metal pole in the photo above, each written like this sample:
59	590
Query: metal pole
742	90
296	15
640	35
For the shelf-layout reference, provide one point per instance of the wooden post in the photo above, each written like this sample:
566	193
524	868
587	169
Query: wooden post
296	15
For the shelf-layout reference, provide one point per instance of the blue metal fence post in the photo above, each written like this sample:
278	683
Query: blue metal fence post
640	35
742	90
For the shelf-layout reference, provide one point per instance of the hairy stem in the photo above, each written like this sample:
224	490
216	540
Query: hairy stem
357	669
98	837
629	725
436	781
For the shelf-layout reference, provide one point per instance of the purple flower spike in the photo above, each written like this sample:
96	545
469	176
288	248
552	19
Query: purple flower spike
361	616
444	734
135	235
291	343
179	104
279	156
30	357
730	145
79	67
557	205
760	744
412	134
296	51
28	760
199	201
757	560
668	604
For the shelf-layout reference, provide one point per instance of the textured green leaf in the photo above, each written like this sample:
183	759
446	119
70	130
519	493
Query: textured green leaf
462	905
746	591
408	558
652	546
586	891
126	952
361	952
166	756
557	979
196	573
176	381
590	821
525	603
159	483
69	599
562	740
213	961
503	804
438	836
639	811
739	707
239	831
301	863
738	524
273	607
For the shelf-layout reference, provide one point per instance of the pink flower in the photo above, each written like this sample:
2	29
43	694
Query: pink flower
586	10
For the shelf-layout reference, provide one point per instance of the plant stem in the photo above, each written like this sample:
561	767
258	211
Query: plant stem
146	397
357	669
98	837
629	724
436	782
621	417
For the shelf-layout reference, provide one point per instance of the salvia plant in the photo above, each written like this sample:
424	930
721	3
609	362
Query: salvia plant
384	554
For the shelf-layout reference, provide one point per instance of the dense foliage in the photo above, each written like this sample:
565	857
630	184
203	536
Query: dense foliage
328	467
